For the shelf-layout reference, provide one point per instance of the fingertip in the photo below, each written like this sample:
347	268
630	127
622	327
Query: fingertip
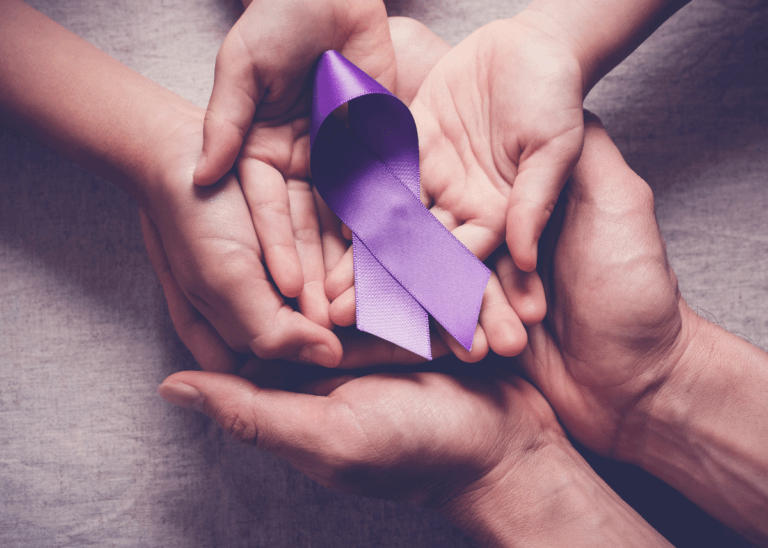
524	255
320	354
315	305
222	140
477	351
524	290
507	338
342	309
290	281
200	177
532	309
181	394
479	348
520	239
533	256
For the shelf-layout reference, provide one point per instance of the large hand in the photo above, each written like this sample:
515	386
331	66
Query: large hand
615	320
421	437
204	248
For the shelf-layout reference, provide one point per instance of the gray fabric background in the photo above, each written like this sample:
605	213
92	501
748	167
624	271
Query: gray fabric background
91	456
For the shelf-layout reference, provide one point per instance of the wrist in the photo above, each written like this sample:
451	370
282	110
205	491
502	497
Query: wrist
705	432
175	145
556	26
548	496
601	33
671	374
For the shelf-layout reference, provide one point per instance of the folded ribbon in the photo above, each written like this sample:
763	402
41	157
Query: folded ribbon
406	262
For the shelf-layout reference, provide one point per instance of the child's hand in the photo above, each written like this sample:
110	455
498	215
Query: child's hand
265	63
210	262
500	127
263	72
501	124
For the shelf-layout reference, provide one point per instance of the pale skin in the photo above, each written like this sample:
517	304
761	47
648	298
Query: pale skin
481	445
210	255
628	367
256	123
284	220
689	415
145	169
273	157
503	110
213	272
501	127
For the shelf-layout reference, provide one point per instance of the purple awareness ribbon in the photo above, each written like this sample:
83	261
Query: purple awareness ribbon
407	263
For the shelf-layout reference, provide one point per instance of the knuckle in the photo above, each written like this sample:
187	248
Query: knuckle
269	345
238	426
271	208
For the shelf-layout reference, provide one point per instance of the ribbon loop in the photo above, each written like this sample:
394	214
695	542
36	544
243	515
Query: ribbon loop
406	262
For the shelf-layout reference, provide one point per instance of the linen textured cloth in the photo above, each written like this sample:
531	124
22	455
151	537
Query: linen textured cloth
91	456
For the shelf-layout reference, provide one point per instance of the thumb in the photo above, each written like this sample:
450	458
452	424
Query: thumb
540	178
295	426
231	108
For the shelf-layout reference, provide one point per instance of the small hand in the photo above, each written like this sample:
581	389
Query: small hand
258	110
266	60
467	204
500	119
203	245
614	326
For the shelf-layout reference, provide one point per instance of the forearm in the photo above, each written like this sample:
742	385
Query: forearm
552	499
706	430
81	102
601	33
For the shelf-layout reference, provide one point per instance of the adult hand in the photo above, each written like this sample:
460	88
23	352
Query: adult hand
481	446
421	437
205	250
616	323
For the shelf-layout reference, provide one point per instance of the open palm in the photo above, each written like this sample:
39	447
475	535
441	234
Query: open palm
420	437
204	247
460	184
500	124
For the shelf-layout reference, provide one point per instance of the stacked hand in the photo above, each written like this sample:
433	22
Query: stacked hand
284	239
500	127
481	154
469	441
629	369
229	254
210	261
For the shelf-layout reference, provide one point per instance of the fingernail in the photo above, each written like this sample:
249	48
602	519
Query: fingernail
182	395
319	354
534	253
198	168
